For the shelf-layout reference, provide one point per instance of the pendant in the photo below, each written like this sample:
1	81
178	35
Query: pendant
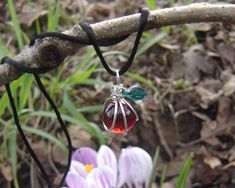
118	115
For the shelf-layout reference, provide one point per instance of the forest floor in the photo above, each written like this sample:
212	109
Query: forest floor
189	74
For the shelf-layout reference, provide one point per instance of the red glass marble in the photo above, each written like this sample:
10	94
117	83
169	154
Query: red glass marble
109	114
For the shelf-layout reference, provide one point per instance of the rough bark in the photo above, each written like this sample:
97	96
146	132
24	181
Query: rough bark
50	51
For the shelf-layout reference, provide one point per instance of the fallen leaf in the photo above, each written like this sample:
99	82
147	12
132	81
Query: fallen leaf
223	111
40	149
206	97
195	62
168	185
208	127
81	138
58	155
6	172
212	161
229	87
227	52
203	27
31	13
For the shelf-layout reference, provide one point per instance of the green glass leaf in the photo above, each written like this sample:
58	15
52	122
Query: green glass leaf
135	93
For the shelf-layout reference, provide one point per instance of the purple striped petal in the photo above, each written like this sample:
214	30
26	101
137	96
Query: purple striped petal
86	156
78	168
106	157
102	177
73	180
135	166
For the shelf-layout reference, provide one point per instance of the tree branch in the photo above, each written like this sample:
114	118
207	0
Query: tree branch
50	51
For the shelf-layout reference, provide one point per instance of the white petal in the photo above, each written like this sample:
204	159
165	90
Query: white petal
78	168
135	166
106	157
86	156
101	177
73	180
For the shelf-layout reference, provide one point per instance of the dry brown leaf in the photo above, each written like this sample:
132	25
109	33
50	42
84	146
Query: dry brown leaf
208	127
212	161
98	11
227	52
207	97
168	185
195	61
229	87
81	138
42	153
231	154
232	164
203	27
29	14
224	109
58	155
6	172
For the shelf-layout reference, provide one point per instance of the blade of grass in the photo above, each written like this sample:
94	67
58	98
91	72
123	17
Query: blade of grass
4	100
90	128
87	57
154	168
151	4
96	132
163	175
25	89
184	172
151	41
46	135
90	109
16	24
143	81
38	27
92	82
54	12
13	156
4	50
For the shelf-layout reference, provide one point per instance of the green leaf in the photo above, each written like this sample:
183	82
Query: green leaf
184	172
135	93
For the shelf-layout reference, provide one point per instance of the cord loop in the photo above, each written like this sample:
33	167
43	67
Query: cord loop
36	71
92	39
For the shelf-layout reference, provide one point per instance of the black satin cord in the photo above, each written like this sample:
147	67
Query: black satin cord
36	71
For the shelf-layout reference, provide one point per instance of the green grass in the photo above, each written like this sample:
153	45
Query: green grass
163	176
16	24
151	4
154	168
54	12
184	172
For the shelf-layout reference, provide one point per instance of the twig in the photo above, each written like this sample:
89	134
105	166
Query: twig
158	128
50	51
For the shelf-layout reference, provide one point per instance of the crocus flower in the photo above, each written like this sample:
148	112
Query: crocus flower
91	169
135	166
